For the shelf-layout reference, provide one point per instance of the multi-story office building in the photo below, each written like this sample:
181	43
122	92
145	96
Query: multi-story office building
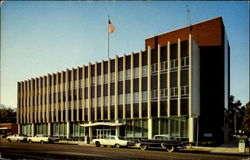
181	75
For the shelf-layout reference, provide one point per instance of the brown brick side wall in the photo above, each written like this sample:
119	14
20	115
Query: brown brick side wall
208	33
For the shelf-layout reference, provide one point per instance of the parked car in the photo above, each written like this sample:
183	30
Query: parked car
114	141
42	139
17	138
162	141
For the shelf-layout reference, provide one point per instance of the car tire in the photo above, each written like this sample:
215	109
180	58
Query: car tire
144	147
30	141
18	141
170	149
117	145
97	144
42	142
9	140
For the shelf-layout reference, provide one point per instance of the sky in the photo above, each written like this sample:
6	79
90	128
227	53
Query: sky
39	37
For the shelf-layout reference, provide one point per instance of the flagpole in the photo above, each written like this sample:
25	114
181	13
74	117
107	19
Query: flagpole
108	36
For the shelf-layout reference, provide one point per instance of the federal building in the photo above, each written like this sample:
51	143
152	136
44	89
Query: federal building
177	86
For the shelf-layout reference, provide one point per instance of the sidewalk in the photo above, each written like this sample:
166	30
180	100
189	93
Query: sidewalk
229	149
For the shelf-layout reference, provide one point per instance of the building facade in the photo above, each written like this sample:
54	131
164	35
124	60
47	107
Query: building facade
161	90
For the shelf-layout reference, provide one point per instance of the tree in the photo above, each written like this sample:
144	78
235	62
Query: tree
246	119
236	113
7	114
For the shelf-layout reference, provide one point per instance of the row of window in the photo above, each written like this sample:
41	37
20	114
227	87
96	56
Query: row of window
154	70
154	96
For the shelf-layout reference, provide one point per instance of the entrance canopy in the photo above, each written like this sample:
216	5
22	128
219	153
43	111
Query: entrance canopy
103	124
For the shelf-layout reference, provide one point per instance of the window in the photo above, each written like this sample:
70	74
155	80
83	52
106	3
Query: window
128	76
174	91
120	99
174	64
164	65
120	78
92	81
86	103
184	90
136	97
106	101
185	61
86	82
99	80
93	102
164	93
136	72
99	101
144	71
112	77
128	98
154	94
105	78
154	68
112	100
144	96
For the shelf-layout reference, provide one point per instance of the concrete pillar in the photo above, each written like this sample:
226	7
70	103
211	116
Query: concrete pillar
109	81
52	98
89	93
62	86
124	87
68	129
102	88
159	82
90	134
140	84
150	128
116	87
179	78
191	130
117	131
35	111
49	129
132	85
96	98
83	94
168	81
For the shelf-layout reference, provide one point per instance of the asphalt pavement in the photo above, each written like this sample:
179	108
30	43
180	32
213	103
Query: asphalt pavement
15	150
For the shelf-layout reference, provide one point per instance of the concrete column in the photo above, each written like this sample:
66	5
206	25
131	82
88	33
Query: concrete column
18	104
77	94
32	129
117	131
140	84
132	85
19	129
49	129
90	133
149	82
35	93
109	80
89	92
124	87
96	84
21	103
72	104
102	89
43	95
159	82
28	101
52	98
150	128
116	88
68	129
179	78
32	101
47	99
168	81
83	94
191	131
62	103
24	102
39	100
67	96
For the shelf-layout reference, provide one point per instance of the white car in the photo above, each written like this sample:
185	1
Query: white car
115	141
17	138
42	139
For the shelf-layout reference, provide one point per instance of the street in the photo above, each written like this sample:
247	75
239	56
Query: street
65	151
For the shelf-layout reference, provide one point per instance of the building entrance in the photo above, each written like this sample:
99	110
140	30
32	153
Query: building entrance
102	133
